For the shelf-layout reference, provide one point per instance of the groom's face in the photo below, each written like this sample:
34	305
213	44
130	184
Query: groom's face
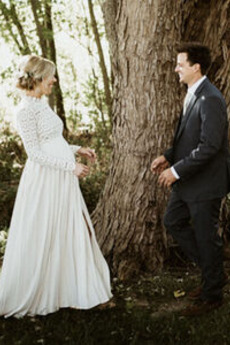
184	69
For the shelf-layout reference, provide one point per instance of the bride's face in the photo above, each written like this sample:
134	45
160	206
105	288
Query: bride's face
47	85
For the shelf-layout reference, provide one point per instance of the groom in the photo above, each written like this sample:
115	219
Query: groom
196	167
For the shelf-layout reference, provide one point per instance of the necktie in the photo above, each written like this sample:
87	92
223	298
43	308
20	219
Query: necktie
187	100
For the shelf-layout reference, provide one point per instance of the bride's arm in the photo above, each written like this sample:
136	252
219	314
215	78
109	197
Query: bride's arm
26	123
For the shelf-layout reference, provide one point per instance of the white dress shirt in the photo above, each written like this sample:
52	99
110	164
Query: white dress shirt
192	89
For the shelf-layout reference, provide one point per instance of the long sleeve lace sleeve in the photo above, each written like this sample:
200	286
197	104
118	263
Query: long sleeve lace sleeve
75	148
26	123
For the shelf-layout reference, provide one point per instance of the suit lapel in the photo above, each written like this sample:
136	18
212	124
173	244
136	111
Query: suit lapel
185	117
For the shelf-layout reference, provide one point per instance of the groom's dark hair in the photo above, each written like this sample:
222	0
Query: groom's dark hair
197	53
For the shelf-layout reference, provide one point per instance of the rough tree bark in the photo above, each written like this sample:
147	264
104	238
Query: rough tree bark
208	22
128	218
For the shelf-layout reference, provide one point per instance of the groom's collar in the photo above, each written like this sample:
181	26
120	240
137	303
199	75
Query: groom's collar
192	89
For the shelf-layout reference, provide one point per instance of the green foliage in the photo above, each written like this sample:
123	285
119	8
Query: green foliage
94	101
93	184
3	240
12	158
91	188
11	153
15	14
97	135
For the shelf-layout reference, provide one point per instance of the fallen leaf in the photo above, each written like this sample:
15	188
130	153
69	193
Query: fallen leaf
179	293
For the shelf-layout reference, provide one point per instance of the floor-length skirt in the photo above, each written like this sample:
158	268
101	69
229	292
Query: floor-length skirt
52	258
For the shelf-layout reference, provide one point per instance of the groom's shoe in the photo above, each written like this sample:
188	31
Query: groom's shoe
201	307
196	293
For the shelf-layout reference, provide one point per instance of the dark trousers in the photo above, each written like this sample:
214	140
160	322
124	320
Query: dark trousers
194	225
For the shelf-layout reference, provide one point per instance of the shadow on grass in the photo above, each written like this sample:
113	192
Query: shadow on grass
146	313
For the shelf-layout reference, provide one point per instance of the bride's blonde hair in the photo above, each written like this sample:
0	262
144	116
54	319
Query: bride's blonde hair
32	70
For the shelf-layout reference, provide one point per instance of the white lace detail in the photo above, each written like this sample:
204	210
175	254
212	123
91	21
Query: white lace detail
37	124
75	148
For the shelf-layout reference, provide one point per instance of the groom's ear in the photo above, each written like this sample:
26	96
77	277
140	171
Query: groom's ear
196	67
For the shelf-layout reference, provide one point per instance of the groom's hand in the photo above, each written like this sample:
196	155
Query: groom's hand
159	164
166	178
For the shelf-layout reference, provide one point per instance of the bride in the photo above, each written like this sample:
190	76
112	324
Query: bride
52	258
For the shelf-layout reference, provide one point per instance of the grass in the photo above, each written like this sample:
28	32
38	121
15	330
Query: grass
146	313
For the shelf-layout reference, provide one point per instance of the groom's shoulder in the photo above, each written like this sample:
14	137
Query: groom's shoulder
209	89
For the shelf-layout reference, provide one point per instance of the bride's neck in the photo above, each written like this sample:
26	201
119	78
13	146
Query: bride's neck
34	93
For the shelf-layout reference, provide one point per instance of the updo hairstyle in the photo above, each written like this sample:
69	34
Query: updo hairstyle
32	70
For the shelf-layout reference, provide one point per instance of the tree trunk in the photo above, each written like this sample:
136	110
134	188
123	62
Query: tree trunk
39	28
59	104
128	218
106	82
47	44
10	16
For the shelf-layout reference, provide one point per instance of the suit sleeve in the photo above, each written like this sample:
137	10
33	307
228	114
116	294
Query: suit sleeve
213	125
169	155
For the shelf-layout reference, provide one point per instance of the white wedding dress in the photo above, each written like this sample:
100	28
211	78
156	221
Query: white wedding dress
52	258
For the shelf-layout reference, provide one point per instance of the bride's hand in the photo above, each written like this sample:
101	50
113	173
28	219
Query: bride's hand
81	170
87	153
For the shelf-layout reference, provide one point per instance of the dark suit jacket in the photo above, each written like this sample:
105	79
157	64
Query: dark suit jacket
200	147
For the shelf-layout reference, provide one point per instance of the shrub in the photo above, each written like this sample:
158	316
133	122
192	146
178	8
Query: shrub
13	157
3	240
92	185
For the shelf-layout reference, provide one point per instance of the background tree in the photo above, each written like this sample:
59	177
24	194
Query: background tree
102	64
42	12
10	22
13	15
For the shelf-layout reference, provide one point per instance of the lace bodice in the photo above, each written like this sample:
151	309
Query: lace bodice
38	124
